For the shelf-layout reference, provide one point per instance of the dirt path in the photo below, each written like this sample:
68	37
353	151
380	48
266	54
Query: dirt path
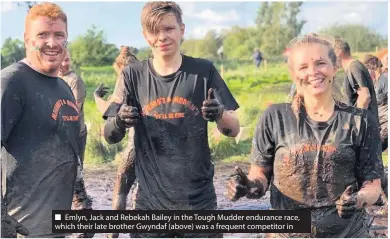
100	182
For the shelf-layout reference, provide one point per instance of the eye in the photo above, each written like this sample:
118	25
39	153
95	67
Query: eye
302	68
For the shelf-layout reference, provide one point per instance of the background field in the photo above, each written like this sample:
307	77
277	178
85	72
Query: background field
254	89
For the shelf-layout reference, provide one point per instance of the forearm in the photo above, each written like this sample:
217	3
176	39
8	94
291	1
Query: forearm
229	124
101	104
112	132
369	193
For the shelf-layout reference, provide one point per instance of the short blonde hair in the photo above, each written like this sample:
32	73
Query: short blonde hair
46	9
153	12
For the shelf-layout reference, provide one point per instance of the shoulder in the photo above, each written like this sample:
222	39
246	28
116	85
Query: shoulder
355	115
136	66
199	63
357	66
277	110
14	71
14	74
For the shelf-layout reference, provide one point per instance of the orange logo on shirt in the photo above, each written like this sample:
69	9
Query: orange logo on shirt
57	107
147	110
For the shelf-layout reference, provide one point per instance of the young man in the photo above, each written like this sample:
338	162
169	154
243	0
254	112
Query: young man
358	86
170	99
39	129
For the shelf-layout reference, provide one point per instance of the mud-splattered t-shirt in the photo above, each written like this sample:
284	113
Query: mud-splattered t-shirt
357	76
173	162
39	132
314	162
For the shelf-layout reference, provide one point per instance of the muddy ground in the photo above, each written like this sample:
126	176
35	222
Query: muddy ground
100	182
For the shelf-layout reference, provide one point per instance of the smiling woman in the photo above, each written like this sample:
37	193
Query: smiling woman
323	155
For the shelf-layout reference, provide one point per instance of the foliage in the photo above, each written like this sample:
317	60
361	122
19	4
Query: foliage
92	49
359	37
12	51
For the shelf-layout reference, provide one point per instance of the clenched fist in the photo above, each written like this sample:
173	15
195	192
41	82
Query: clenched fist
212	109
347	203
128	115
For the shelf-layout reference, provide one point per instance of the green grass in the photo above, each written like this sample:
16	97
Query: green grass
254	89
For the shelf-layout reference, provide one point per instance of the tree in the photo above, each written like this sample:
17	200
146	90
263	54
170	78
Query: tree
359	37
277	24
12	51
92	49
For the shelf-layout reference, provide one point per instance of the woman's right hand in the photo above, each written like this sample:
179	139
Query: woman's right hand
239	186
101	91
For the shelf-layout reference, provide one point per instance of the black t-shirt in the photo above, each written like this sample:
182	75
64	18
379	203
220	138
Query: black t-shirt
173	160
357	76
39	131
314	162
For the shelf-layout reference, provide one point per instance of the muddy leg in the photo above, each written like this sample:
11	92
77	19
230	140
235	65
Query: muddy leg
124	179
125	176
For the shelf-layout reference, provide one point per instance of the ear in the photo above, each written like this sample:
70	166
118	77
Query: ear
26	40
182	29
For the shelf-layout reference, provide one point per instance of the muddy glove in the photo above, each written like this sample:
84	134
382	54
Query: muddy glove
347	204
239	185
9	226
101	91
212	109
128	115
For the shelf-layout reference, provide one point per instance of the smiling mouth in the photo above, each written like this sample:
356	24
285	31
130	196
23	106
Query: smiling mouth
316	81
51	53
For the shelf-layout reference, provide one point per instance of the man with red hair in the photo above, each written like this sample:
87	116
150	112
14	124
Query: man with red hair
39	130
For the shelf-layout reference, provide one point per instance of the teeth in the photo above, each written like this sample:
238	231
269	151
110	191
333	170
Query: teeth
51	53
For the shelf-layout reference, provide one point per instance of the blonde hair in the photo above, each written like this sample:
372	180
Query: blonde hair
124	58
46	9
153	12
309	39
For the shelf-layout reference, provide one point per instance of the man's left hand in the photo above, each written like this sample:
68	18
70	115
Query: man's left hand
212	109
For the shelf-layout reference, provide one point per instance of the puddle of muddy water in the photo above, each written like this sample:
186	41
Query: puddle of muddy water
100	183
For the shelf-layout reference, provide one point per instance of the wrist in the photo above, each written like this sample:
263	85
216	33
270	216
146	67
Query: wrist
119	123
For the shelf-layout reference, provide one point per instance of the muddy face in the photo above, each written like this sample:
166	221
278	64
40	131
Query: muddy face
312	69
165	41
45	41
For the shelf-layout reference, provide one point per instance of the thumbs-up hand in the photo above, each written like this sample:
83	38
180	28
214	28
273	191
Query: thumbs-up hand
212	109
347	204
128	115
239	185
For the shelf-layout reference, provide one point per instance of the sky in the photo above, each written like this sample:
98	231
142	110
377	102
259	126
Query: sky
121	20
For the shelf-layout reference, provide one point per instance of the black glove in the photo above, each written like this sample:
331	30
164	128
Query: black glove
212	109
347	204
101	91
9	226
239	185
128	115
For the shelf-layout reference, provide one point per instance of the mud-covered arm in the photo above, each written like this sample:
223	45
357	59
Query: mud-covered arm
263	150
369	165
228	124
360	85
113	133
